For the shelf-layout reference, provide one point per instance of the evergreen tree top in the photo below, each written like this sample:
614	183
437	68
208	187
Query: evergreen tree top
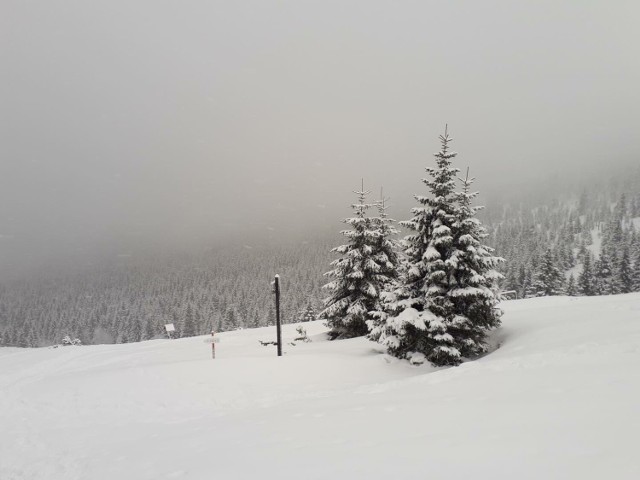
361	207
465	197
442	181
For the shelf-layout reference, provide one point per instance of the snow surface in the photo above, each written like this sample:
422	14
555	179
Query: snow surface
560	399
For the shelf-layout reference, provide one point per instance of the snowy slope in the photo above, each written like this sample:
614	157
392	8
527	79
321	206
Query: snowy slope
559	399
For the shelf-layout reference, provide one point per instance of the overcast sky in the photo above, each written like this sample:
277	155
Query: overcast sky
175	120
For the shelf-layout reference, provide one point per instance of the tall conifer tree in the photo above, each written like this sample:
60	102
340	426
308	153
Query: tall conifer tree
624	278
549	278
421	303
443	305
604	280
636	272
586	280
189	325
571	286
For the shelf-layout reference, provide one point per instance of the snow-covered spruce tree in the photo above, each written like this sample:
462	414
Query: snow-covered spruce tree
419	308
385	255
549	278
624	279
586	280
134	330
474	291
571	286
149	330
385	246
355	288
432	317
604	280
308	313
189	326
636	272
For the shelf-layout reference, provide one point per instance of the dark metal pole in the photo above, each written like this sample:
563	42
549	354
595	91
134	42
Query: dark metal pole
278	329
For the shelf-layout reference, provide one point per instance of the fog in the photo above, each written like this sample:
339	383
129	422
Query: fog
173	123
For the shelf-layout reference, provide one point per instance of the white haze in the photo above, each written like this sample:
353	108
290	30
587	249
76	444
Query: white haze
170	122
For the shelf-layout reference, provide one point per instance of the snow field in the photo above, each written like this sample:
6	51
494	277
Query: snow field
559	399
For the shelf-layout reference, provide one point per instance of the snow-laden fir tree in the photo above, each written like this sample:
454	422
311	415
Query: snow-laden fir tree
604	280
189	326
420	310
355	288
571	286
134	330
474	290
624	278
636	272
586	280
549	278
308	313
149	331
386	255
445	299
385	247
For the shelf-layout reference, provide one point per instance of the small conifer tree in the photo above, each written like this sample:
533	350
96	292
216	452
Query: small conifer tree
189	326
549	279
586	280
354	290
571	286
387	257
604	280
636	272
308	313
624	274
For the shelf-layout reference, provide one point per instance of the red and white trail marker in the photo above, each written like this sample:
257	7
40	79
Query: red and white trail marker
213	340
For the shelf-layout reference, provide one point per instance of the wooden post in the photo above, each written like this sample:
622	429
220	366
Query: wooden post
213	345
278	328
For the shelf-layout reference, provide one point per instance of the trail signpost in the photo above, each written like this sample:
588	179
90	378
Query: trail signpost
213	340
170	329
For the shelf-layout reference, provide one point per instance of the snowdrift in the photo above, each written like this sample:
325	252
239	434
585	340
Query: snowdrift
560	398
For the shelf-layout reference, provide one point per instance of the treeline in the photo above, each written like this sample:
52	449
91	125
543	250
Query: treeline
131	300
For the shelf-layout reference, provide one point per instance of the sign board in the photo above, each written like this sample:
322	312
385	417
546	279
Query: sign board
509	294
212	340
169	328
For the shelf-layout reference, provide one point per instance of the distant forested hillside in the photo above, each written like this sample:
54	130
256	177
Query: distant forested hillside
548	240
131	300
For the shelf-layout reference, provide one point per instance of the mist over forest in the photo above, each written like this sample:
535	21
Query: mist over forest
159	125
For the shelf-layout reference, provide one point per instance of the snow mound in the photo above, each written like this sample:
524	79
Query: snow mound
558	399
